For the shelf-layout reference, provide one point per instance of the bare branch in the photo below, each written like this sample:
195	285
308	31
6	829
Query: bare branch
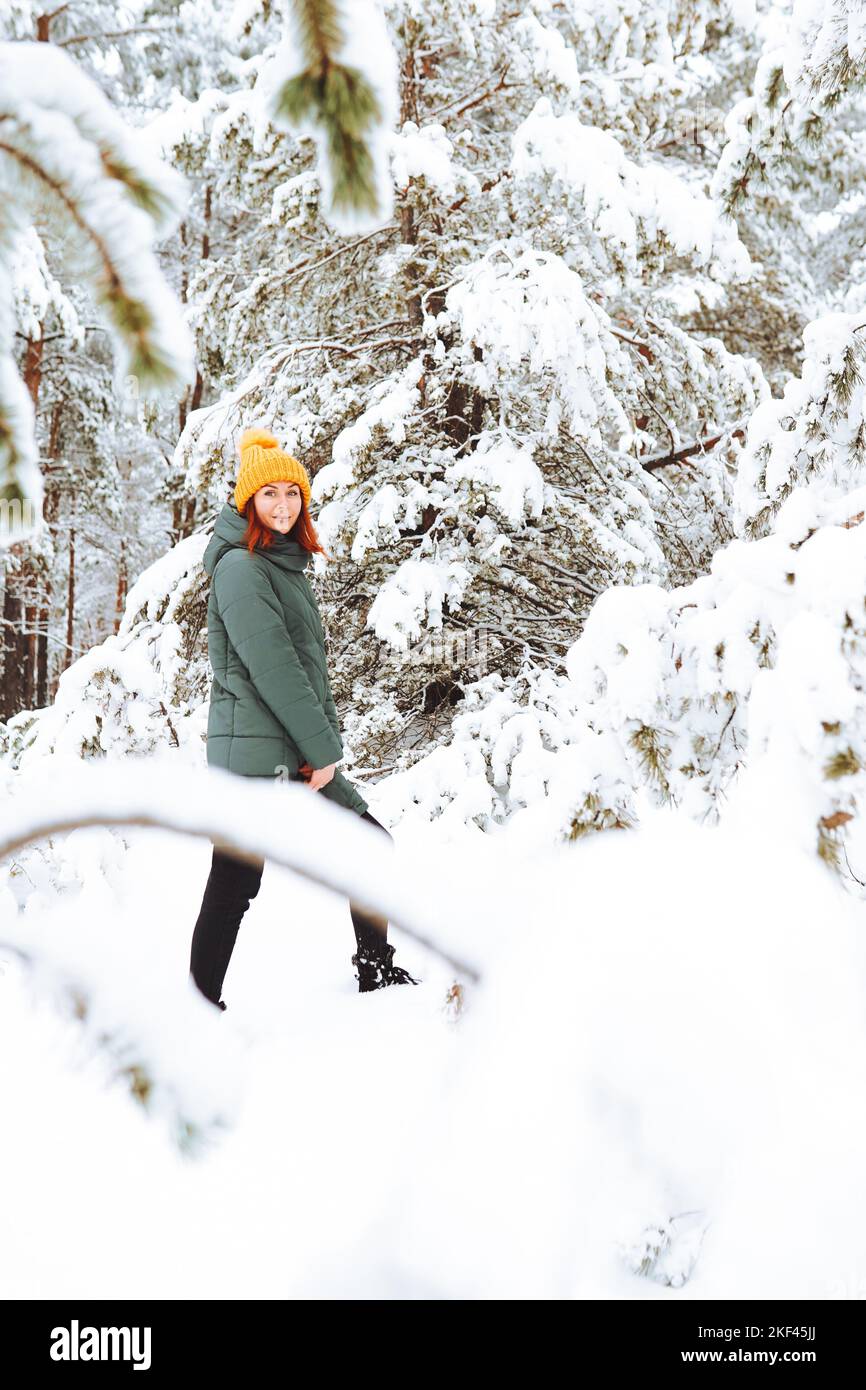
702	447
112	34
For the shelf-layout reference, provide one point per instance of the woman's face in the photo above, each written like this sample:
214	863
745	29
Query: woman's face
278	505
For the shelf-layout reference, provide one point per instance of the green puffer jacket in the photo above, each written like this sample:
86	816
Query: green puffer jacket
271	705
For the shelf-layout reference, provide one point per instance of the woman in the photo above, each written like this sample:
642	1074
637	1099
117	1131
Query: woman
271	706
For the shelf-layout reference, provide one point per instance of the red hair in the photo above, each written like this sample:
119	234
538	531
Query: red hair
303	531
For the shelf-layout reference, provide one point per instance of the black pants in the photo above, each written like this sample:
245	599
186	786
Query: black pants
231	886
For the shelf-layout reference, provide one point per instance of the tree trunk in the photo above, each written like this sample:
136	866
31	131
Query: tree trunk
70	600
44	618
182	518
50	509
29	644
32	372
192	402
189	517
122	587
11	691
408	229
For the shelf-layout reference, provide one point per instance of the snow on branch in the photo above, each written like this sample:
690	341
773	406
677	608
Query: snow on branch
60	138
517	303
280	821
627	204
802	76
748	680
812	440
825	54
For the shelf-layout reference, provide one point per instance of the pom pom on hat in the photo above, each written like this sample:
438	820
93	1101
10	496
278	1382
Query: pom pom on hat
262	462
256	436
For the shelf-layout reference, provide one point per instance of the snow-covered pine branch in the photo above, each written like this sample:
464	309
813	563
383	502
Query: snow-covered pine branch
333	78
281	821
61	143
825	57
811	64
743	692
813	438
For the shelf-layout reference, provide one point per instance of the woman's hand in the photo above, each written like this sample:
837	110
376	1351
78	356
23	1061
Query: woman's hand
317	777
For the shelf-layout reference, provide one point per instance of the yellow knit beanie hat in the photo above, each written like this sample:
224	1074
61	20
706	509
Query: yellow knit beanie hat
263	461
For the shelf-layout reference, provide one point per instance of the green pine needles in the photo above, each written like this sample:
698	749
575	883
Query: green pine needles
337	98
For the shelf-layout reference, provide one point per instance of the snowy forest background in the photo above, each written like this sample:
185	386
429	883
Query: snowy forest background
562	305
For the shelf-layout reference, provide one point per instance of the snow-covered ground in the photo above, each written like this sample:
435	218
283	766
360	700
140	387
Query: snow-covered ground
639	1099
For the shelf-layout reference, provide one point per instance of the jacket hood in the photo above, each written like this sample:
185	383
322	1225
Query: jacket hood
228	534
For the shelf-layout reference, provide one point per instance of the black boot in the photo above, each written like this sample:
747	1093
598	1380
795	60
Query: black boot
374	968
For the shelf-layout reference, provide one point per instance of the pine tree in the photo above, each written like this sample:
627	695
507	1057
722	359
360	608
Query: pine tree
498	423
